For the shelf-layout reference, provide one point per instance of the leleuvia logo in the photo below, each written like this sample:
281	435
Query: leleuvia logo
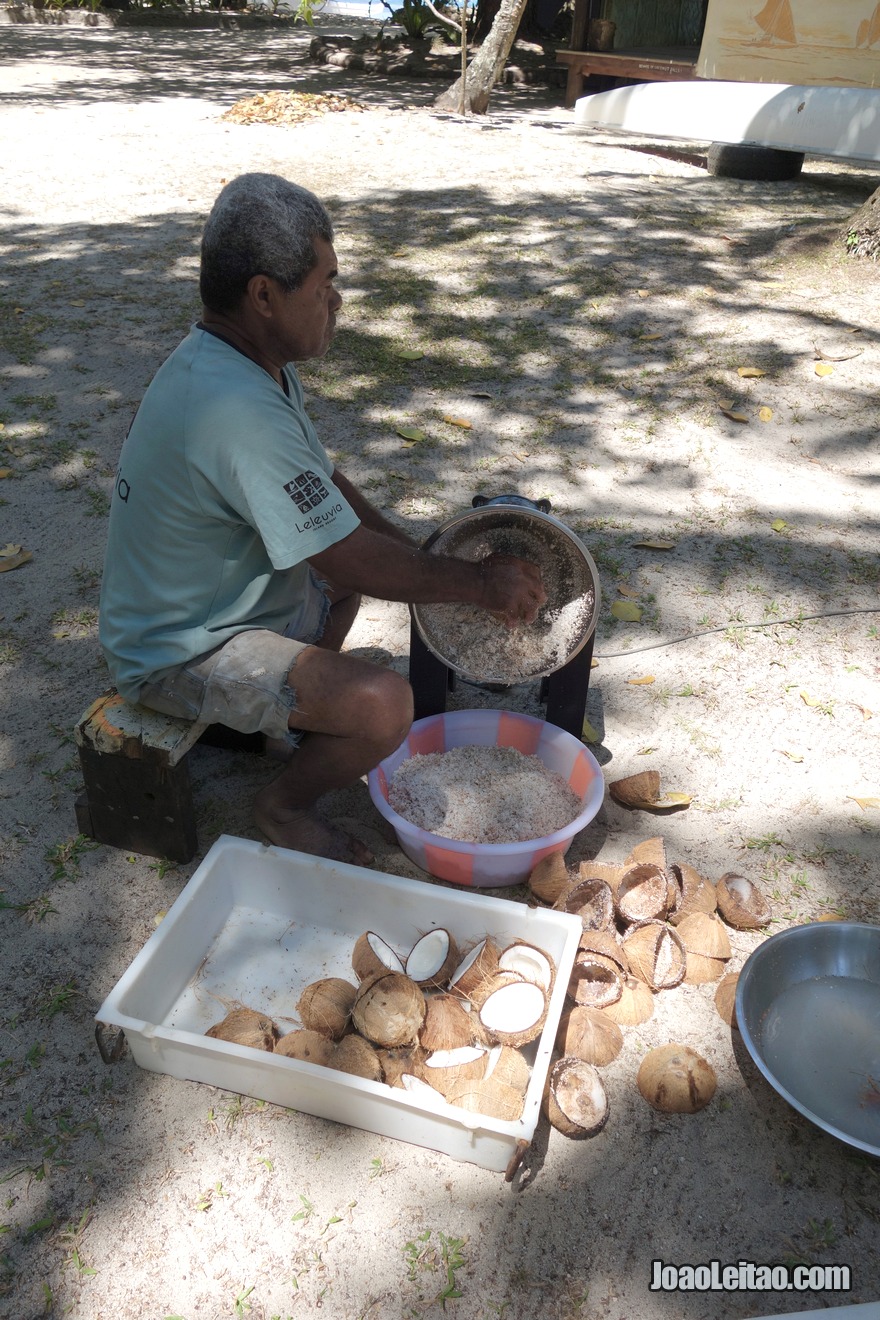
308	491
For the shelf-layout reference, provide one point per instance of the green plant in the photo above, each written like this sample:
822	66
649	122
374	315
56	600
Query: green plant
422	1256
57	1000
65	857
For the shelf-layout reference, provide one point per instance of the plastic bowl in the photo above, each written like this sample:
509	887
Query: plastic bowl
489	865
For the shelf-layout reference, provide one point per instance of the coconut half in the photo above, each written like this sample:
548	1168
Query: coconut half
488	1096
373	954
508	1065
479	963
596	980
592	901
432	959
635	1005
245	1026
397	1062
355	1055
446	1069
448	1025
674	1079
325	1006
697	893
741	903
529	962
389	1010
589	1035
651	850
514	1012
707	946
307	1046
549	878
574	1098
725	999
607	871
642	895
656	955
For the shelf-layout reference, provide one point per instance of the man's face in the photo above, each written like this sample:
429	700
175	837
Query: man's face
306	318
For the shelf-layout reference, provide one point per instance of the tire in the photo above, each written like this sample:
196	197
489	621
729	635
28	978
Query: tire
738	162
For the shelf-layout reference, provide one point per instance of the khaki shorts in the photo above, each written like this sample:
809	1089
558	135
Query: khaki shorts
243	683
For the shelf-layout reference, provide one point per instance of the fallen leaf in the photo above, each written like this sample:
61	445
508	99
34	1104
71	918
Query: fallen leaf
411	433
77	302
643	293
410	354
734	416
457	421
866	802
725	403
830	916
866	714
837	357
653	545
810	701
12	556
750	373
401	253
649	338
641	682
765	414
779	525
626	611
19	311
480	394
588	733
594	663
824	369
628	592
5	472
792	756
646	751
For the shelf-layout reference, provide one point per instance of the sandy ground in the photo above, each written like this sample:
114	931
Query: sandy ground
603	294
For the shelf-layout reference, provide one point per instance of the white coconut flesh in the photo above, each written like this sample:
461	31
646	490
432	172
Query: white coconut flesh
579	1093
513	1009
384	952
740	887
428	955
467	963
527	962
454	1058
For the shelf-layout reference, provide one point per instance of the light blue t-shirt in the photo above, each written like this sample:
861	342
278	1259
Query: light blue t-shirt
222	494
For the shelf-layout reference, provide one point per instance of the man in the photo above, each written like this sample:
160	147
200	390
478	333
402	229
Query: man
237	552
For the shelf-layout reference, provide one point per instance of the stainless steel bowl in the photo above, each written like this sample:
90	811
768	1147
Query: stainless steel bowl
808	1008
567	569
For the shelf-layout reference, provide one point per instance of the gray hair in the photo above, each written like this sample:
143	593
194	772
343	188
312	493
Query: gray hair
260	224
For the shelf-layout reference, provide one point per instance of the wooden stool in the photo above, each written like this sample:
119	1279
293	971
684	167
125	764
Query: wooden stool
137	791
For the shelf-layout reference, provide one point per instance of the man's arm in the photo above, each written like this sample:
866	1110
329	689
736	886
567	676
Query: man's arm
369	515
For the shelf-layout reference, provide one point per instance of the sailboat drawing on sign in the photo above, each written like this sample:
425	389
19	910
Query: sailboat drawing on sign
869	29
777	23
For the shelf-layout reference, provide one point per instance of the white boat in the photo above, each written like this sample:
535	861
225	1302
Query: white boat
822	121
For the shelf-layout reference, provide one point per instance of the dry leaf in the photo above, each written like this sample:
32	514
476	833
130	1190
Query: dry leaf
779	525
411	433
734	416
653	545
765	414
19	311
401	253
866	714
865	803
480	394
641	682
12	556
626	611
76	302
750	373
410	354
4	473
824	369
588	733
457	421
628	592
649	338
810	701
792	756
643	293
838	357
830	916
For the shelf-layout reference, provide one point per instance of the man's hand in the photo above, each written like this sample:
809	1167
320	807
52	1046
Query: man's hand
512	589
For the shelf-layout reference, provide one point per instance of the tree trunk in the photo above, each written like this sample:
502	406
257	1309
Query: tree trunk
486	66
862	232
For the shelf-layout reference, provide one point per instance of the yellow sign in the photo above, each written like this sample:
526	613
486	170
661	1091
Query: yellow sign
802	42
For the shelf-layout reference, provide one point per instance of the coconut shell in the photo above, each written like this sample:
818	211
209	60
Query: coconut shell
447	1069
703	933
674	1079
607	871
741	903
587	1034
307	1046
595	981
651	850
549	878
438	948
529	962
697	893
514	1012
355	1055
656	955
636	790
372	954
635	1005
397	1062
448	1025
488	1096
606	943
325	1006
245	1026
508	1065
642	894
480	962
389	1010
574	1098
592	901
725	999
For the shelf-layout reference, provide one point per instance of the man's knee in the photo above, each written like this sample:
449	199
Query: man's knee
388	706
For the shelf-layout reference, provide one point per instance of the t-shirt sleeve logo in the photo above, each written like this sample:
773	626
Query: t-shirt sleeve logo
307	490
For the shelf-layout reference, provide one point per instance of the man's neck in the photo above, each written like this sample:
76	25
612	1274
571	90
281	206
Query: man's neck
234	333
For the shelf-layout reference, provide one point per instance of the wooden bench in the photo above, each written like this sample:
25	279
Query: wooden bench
653	65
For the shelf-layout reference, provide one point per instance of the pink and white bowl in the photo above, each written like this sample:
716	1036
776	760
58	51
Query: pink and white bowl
489	865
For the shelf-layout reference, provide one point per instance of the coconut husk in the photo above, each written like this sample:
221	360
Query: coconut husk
636	790
697	893
514	1011
725	999
437	952
574	1098
674	1079
389	1010
704	934
549	878
245	1026
592	901
357	1056
642	894
529	962
651	850
635	1005
488	1096
372	954
587	1034
656	955
307	1046
325	1006
606	943
508	1065
479	963
448	1025
397	1062
595	981
607	871
447	1069
741	903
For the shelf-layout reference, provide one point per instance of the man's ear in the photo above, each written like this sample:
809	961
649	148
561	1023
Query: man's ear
261	294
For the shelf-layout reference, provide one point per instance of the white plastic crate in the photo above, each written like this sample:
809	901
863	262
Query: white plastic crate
255	925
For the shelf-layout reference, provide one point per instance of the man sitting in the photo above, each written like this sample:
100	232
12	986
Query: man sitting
237	552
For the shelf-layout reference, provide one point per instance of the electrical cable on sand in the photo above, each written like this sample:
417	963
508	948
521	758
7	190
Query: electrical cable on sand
767	623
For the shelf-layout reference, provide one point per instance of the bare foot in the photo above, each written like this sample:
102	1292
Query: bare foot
307	831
